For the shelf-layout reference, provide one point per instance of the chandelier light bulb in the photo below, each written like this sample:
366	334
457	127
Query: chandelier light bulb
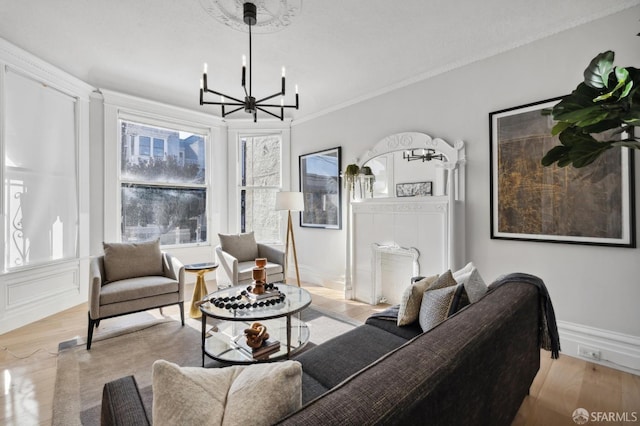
296	89
244	60
201	84
205	68
283	72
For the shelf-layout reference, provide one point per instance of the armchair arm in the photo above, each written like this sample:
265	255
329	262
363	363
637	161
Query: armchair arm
95	284
272	254
174	269
227	272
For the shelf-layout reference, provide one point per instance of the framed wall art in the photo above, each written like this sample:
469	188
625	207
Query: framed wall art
414	189
591	205
320	185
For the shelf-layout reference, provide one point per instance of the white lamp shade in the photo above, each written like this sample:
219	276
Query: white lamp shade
293	201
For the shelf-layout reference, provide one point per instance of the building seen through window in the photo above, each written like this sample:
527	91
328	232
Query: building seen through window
260	179
163	184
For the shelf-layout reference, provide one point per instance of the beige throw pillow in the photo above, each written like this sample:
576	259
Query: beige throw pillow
411	300
259	394
131	260
444	280
241	246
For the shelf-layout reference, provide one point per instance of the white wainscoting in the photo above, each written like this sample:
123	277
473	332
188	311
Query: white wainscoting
33	294
617	350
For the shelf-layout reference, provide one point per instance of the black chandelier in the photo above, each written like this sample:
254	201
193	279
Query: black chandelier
250	104
423	154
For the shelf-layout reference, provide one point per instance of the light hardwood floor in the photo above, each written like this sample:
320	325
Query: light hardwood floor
28	369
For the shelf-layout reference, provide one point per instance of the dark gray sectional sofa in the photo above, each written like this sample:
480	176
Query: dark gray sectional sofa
474	368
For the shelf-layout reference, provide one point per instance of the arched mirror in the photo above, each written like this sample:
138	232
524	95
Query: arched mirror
410	164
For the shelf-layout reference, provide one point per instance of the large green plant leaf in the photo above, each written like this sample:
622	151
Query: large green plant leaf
622	76
608	99
578	148
596	75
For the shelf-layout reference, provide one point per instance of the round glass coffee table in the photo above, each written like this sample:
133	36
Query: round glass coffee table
224	342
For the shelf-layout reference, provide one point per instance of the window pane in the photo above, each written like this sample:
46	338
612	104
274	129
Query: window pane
259	214
158	148
260	161
178	157
175	215
41	203
144	144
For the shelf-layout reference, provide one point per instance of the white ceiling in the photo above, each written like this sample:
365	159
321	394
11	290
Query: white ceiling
337	51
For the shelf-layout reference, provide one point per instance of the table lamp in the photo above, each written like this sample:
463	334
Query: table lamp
290	201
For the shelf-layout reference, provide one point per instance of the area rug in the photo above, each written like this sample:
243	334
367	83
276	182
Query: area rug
81	374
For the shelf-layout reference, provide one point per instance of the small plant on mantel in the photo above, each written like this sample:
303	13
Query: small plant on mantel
350	176
607	101
369	178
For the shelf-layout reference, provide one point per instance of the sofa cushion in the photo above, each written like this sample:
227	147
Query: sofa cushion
408	331
136	288
241	246
474	285
131	260
463	271
258	394
436	305
344	355
444	280
311	388
411	300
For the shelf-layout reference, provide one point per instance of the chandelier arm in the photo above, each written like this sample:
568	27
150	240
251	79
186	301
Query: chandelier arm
270	97
234	110
270	113
222	103
225	96
276	106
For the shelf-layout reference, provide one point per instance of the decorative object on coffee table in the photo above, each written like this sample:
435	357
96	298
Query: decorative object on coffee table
259	275
290	201
200	289
256	334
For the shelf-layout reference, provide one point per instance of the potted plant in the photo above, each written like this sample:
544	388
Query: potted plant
368	179
608	99
350	175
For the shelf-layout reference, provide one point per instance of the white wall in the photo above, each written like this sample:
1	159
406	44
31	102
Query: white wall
590	286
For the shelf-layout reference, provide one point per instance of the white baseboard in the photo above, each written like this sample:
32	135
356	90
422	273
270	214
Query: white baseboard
312	276
616	350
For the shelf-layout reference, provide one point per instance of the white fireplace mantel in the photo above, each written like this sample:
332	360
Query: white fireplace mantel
431	226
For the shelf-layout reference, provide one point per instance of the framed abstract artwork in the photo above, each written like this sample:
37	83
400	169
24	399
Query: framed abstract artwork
413	189
320	185
590	205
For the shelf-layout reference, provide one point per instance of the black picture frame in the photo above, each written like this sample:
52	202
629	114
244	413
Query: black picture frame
593	205
321	188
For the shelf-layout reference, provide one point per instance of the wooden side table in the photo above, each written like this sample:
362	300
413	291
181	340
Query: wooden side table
200	289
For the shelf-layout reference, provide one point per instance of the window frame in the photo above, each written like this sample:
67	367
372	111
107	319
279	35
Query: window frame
122	182
115	106
241	129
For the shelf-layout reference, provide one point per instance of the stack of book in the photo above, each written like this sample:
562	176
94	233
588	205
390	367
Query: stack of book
266	295
268	347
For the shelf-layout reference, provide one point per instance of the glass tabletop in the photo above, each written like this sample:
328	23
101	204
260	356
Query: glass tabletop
296	299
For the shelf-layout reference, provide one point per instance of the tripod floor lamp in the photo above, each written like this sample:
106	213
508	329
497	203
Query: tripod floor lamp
290	201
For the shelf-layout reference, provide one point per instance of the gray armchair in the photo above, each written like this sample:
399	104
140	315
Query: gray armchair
236	256
131	278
